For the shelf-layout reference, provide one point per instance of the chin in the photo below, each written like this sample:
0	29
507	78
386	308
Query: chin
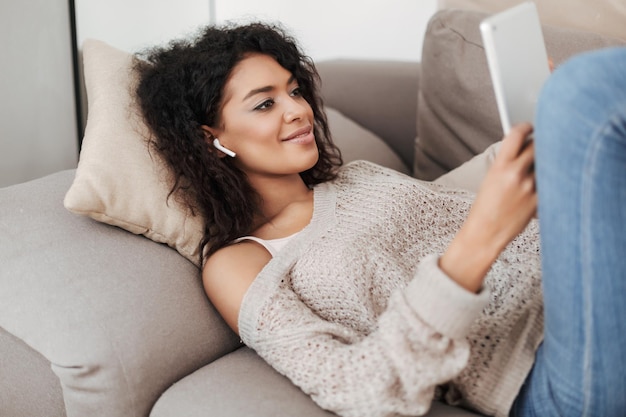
306	159
314	160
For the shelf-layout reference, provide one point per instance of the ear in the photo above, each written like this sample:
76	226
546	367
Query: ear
209	133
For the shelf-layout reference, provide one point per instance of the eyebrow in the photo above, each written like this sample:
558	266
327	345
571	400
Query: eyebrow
265	89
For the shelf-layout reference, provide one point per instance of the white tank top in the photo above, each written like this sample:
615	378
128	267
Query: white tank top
273	246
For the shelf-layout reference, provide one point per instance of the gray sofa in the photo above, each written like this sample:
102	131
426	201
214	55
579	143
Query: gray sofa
96	321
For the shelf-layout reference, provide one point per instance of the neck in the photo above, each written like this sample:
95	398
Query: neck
280	194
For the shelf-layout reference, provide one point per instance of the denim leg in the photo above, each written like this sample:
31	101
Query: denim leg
580	132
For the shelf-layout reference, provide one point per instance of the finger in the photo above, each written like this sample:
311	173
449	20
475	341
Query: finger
528	184
526	158
527	205
513	143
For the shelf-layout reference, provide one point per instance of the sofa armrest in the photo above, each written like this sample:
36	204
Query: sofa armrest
119	317
379	95
28	387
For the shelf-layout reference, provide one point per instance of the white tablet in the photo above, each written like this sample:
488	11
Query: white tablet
518	61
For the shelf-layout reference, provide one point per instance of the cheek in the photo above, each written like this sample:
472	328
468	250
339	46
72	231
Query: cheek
256	142
309	110
250	131
260	132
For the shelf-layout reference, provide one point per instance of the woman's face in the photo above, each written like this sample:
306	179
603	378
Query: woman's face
265	120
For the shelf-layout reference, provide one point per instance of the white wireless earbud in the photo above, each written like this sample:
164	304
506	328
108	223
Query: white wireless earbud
218	145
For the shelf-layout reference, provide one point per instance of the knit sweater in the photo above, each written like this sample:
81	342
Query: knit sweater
356	312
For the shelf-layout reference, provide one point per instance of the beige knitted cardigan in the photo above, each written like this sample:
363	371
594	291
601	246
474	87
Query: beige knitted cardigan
356	312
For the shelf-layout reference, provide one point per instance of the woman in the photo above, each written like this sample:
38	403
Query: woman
376	293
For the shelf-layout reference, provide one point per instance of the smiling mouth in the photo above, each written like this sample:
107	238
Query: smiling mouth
299	134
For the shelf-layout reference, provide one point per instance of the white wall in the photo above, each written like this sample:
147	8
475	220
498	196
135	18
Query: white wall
38	134
326	29
132	25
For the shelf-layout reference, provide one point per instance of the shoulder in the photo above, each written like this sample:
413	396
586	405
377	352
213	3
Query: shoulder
235	258
229	272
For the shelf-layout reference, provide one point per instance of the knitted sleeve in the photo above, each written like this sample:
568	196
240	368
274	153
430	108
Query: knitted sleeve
419	343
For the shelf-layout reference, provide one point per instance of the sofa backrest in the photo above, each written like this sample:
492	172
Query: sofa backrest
605	17
457	113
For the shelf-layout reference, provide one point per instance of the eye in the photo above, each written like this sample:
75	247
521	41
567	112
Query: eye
265	105
296	92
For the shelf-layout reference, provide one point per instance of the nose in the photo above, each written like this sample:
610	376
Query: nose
296	108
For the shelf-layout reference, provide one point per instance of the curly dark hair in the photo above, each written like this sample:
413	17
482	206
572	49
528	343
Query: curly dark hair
180	88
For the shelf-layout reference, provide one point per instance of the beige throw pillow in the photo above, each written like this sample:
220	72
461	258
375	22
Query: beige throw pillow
120	181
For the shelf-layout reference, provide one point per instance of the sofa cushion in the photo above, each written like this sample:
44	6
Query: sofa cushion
238	384
457	113
356	142
378	95
470	174
119	317
28	387
242	384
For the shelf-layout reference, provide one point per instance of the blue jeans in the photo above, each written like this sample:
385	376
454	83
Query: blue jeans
580	137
